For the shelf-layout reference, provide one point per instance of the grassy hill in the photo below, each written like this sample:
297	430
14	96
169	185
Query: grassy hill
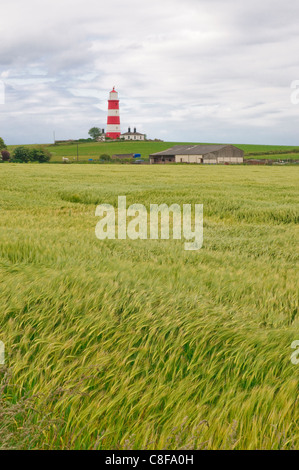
95	149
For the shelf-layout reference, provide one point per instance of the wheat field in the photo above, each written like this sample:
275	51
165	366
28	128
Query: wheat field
134	344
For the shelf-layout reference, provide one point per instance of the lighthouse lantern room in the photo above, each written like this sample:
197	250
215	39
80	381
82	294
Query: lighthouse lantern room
113	120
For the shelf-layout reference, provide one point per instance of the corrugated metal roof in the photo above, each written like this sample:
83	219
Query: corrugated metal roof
190	150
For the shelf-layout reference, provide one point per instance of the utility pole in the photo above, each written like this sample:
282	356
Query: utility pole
77	152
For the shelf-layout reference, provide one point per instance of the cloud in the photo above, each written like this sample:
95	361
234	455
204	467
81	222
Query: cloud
198	70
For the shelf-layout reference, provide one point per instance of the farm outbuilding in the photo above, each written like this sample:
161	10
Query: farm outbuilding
206	154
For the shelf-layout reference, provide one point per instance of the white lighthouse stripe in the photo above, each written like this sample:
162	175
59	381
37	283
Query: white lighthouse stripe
112	128
113	96
113	112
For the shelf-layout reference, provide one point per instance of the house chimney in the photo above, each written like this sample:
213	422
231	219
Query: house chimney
134	130
129	129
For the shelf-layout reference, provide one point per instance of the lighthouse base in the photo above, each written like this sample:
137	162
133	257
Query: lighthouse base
113	135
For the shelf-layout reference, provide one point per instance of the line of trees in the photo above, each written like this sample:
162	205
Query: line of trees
25	154
34	154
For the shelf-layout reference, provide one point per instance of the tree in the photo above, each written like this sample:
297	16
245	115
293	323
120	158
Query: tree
2	144
22	154
105	157
94	133
5	156
40	154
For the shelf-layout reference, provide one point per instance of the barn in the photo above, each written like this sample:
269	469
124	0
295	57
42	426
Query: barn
206	154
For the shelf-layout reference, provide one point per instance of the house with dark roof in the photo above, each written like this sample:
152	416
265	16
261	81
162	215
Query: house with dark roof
132	135
206	154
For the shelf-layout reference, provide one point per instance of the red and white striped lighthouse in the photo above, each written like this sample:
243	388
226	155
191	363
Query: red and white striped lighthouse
113	121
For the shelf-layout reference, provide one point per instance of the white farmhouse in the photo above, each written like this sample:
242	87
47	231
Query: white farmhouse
132	135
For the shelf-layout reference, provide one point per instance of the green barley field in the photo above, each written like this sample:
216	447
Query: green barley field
122	344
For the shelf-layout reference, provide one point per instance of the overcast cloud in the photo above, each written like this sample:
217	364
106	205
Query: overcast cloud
197	70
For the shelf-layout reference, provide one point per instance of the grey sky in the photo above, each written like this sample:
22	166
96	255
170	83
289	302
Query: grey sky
198	70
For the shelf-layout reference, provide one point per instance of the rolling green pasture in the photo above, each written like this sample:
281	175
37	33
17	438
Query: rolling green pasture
95	149
140	344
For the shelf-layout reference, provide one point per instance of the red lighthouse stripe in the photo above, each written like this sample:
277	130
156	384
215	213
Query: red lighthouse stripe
113	120
113	104
113	135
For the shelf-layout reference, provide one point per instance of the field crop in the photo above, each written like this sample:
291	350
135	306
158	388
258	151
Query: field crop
139	344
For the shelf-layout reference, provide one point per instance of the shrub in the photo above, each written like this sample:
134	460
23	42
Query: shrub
22	154
105	157
85	140
5	155
40	154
